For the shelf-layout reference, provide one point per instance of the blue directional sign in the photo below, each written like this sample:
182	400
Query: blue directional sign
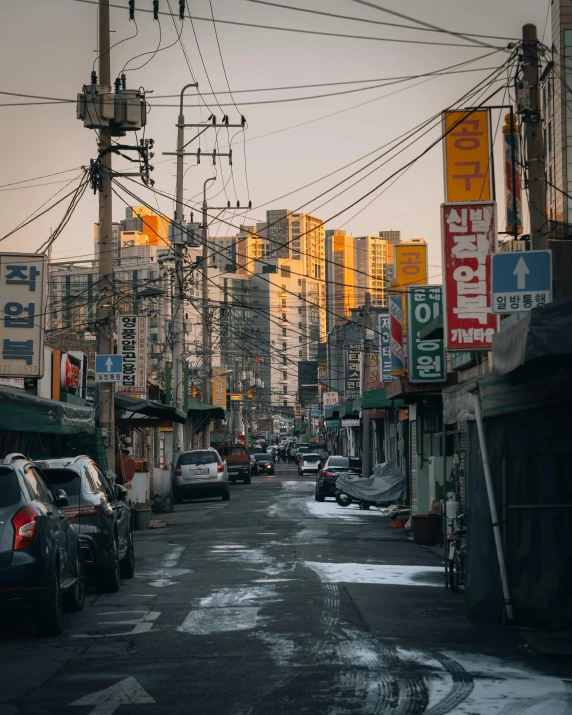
108	368
521	281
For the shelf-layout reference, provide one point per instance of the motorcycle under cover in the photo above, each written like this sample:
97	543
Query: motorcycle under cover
388	484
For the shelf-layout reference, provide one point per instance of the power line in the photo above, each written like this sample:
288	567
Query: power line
44	176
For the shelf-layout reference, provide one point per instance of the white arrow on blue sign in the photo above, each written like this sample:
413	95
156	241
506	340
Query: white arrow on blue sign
108	368
521	281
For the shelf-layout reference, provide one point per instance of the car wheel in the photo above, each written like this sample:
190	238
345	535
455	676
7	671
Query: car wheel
343	499
50	617
74	599
320	497
127	566
247	480
110	576
226	495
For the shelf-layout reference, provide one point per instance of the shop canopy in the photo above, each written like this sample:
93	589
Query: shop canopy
332	412
149	408
20	412
200	411
376	400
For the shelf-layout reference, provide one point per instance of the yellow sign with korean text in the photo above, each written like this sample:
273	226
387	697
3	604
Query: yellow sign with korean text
219	387
410	263
467	156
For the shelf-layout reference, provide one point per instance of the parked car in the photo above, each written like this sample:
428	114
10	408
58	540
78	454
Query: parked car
311	463
100	516
305	449
237	462
201	472
265	463
334	465
40	560
253	466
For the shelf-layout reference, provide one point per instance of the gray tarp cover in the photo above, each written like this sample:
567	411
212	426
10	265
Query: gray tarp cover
388	484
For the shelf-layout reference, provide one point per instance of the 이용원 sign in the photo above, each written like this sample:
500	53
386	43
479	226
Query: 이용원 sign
22	316
425	357
132	346
467	156
353	371
521	281
469	232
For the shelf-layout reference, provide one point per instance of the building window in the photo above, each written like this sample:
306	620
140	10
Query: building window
300	353
283	302
300	339
284	346
285	403
300	311
284	375
284	273
285	389
284	332
284	316
299	281
285	360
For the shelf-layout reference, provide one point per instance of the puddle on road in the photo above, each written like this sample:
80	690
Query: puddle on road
387	574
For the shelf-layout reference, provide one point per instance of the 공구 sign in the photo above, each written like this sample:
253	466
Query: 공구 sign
467	156
426	357
469	233
22	315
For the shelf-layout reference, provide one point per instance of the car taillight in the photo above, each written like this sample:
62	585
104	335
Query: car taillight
72	512
220	467
329	474
178	472
25	524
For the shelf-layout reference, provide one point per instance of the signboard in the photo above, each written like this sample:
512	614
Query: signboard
330	398
323	376
461	360
108	368
132	346
396	334
372	372
469	233
219	387
353	371
236	397
467	156
521	281
385	347
511	143
332	424
298	410
351	422
22	286
410	263
426	358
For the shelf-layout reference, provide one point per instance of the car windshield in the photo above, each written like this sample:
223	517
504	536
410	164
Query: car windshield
197	458
9	488
261	457
339	462
65	479
311	457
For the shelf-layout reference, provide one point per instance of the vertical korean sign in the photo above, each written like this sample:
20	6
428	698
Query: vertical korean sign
219	387
426	358
396	334
467	156
22	287
385	347
353	371
132	344
512	177
469	232
410	263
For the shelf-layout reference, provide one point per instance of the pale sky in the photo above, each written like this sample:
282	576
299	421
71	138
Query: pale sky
48	49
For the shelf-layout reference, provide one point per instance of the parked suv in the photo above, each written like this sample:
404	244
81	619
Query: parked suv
335	465
100	517
309	462
201	472
40	561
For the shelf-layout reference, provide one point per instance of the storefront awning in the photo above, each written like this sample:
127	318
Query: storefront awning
332	412
149	408
200	411
376	400
20	412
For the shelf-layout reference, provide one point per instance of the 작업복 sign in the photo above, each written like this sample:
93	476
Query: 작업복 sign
426	357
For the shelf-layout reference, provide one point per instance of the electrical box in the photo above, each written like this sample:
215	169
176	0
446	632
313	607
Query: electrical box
95	106
184	234
130	110
99	107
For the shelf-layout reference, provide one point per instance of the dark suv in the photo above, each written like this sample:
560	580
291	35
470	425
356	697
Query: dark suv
41	568
99	515
326	480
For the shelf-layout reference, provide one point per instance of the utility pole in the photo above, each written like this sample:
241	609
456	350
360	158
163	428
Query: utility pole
178	332
366	417
105	339
207	341
531	119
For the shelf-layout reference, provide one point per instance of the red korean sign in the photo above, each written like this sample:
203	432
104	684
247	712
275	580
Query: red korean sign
469	240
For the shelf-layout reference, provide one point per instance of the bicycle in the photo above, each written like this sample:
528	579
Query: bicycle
456	553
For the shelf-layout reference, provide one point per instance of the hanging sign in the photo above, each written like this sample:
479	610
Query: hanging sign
219	387
353	371
425	357
511	141
467	156
22	316
396	334
469	233
410	263
132	346
385	347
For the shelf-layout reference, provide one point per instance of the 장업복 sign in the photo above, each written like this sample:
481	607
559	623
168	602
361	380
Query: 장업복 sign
132	346
469	232
22	316
426	357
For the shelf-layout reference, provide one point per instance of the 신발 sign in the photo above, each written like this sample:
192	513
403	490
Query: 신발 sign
469	235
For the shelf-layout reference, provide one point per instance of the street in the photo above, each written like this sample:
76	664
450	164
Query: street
273	602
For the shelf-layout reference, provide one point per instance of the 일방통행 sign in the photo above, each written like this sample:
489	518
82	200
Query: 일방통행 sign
469	233
132	346
22	316
426	357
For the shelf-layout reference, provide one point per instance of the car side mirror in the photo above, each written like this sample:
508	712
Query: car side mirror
61	498
120	492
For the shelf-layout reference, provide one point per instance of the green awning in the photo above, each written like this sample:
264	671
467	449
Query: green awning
221	438
149	408
200	411
347	410
332	412
20	412
377	400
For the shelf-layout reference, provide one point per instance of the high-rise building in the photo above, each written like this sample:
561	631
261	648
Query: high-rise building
373	268
391	236
143	226
340	277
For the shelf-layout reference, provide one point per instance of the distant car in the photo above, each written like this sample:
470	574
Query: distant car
305	449
265	463
334	465
100	517
309	463
40	561
200	472
253	466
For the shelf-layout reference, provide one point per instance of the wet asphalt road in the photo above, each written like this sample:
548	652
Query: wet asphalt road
273	603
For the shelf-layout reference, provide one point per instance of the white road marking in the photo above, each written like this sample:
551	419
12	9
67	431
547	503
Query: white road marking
126	692
388	574
162	577
143	624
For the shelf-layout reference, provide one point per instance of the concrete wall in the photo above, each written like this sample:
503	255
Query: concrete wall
161	481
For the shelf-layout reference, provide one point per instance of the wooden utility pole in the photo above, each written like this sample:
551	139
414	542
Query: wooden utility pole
207	342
